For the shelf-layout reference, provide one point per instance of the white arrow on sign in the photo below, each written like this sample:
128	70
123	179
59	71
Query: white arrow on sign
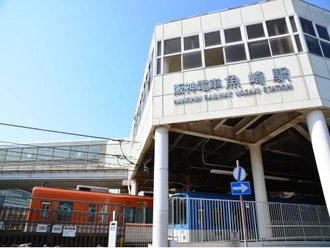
242	188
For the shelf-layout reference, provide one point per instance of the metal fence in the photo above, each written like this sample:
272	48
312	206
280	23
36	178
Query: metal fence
205	220
87	228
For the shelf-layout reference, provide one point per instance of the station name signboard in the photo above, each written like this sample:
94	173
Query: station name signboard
188	92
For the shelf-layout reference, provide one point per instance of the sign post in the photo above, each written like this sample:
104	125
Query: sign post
241	188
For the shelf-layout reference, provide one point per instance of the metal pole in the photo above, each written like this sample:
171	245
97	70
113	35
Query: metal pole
243	214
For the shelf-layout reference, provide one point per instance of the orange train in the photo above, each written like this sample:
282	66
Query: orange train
56	206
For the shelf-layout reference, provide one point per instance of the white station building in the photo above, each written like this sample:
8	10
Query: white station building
242	76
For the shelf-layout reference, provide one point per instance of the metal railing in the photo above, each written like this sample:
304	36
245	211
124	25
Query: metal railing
205	220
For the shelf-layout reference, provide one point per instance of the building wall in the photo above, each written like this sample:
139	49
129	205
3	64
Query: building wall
308	83
309	74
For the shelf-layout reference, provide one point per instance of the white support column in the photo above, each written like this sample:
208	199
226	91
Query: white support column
260	192
319	134
160	214
134	187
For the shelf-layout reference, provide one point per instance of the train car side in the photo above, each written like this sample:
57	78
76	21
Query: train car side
198	216
56	206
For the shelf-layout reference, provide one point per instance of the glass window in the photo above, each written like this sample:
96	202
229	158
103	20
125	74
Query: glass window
191	42
129	214
14	154
217	215
139	215
277	27
172	46
281	45
307	26
103	213
79	152
45	153
93	152
326	49
149	216
233	34
201	215
44	209
255	31
313	45
259	49
91	212
172	63
159	48
235	53
159	66
299	46
323	32
192	60
293	24
29	153
62	152
3	154
214	56
212	38
65	210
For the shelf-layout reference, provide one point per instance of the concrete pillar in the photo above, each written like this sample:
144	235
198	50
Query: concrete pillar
319	134
260	192
134	187
160	213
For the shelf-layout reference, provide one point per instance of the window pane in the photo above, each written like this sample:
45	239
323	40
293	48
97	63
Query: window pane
172	63
14	154
307	27
323	32
259	49
172	46
29	154
214	57
62	152
212	38
326	49
158	66
255	31
293	24
159	48
277	27
45	153
79	152
64	212
313	45
93	152
235	53
191	42
232	35
281	45
192	60
3	154
299	46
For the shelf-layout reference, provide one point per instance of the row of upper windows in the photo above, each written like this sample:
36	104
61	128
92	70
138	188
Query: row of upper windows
261	40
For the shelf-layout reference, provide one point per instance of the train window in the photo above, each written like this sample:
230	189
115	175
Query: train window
217	215
149	217
103	211
140	214
65	210
177	211
129	214
201	215
91	212
45	209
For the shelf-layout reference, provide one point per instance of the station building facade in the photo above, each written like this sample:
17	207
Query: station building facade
264	58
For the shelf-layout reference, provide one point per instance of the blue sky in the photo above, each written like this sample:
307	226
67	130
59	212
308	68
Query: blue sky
76	66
